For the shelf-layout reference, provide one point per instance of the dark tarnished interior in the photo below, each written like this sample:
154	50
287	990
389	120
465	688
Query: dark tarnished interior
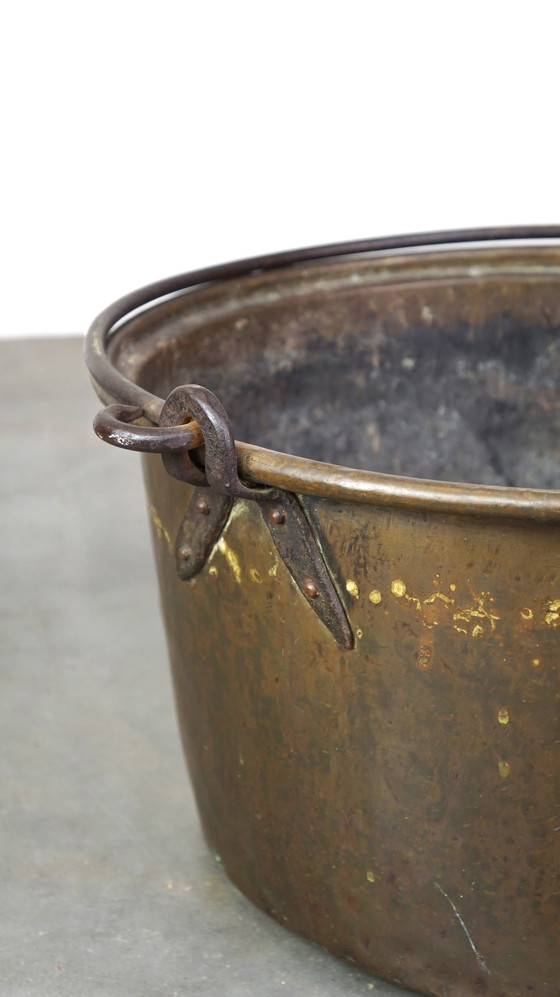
431	367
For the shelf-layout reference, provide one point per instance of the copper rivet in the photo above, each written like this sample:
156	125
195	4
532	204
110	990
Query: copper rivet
185	553
310	589
277	516
203	507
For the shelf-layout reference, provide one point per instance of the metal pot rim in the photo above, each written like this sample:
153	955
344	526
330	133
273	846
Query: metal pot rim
300	474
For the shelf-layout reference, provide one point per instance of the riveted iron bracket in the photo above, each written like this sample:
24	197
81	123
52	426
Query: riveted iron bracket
207	514
293	537
296	542
217	482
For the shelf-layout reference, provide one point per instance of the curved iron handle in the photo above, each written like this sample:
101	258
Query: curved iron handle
286	471
115	425
106	375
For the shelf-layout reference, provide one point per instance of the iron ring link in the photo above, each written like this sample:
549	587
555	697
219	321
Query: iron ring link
220	456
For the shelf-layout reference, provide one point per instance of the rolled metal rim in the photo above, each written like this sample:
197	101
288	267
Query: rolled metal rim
301	474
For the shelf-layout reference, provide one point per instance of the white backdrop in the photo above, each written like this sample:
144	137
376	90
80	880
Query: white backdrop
143	139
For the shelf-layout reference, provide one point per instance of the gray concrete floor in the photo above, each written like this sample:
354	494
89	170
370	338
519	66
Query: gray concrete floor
107	888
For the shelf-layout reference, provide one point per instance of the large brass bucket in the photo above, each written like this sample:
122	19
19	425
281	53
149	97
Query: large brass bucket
365	649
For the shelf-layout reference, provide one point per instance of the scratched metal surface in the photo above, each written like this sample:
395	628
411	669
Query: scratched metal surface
396	802
107	886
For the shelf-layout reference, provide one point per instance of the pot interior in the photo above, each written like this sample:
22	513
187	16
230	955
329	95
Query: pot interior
438	365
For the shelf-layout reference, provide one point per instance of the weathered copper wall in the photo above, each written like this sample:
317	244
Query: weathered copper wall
398	802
